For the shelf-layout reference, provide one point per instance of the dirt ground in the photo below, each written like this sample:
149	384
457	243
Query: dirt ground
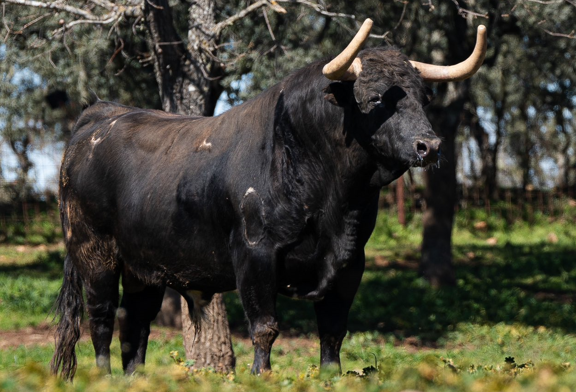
44	335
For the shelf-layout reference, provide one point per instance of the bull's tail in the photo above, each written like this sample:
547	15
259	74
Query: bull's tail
68	309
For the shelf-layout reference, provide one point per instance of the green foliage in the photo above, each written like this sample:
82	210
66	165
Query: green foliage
29	284
85	64
43	228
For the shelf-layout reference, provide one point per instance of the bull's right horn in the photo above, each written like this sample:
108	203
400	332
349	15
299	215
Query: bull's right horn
460	71
346	66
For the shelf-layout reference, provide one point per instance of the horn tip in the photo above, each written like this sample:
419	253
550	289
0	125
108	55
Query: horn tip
481	29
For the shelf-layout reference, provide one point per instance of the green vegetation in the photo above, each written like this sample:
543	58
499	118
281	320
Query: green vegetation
37	229
508	324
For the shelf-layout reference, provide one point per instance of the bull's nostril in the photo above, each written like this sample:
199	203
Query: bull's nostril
421	149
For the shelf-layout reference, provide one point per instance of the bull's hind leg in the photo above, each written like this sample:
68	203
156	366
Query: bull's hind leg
96	259
102	302
140	305
93	256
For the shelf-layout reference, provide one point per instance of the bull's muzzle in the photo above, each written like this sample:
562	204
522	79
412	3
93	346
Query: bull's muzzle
427	151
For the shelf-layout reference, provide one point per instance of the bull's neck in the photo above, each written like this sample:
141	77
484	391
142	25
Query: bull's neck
315	138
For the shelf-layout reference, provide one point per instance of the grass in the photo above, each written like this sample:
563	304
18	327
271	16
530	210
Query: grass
508	324
471	358
37	229
29	282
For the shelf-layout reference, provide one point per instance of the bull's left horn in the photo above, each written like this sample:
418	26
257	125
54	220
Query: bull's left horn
346	66
460	71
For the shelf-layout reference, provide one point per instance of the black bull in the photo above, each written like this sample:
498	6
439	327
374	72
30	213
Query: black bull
278	195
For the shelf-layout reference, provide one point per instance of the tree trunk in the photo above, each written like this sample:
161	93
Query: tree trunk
441	185
209	346
525	161
186	85
170	314
440	195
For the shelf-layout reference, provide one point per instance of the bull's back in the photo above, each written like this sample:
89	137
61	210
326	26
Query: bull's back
126	163
150	180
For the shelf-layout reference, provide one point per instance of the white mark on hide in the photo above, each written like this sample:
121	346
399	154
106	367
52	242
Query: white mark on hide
112	123
205	146
249	191
96	140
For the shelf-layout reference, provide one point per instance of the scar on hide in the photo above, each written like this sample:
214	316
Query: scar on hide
205	146
64	178
253	217
95	140
97	136
68	226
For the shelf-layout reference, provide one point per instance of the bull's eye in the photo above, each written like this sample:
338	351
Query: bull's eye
375	100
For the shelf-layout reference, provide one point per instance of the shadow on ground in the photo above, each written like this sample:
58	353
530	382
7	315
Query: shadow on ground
532	285
46	265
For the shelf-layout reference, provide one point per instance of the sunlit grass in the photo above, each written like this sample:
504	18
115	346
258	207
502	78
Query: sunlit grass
507	325
472	357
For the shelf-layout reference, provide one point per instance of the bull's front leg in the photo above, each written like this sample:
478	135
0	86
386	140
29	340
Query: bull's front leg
332	315
256	282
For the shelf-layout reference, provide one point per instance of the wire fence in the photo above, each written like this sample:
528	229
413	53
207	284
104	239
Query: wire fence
511	204
38	217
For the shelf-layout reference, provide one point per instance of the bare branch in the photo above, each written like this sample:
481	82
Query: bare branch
464	12
402	15
54	6
268	25
158	7
87	17
38	19
571	35
169	43
545	2
4	22
104	4
430	5
234	18
319	8
69	25
118	50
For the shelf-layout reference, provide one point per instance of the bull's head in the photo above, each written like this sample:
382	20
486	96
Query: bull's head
388	96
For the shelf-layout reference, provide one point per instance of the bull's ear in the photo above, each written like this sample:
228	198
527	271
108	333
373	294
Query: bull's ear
429	96
339	93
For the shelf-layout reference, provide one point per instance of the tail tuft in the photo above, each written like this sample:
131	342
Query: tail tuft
68	309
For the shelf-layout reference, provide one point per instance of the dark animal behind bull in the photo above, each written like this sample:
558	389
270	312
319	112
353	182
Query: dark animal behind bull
278	195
